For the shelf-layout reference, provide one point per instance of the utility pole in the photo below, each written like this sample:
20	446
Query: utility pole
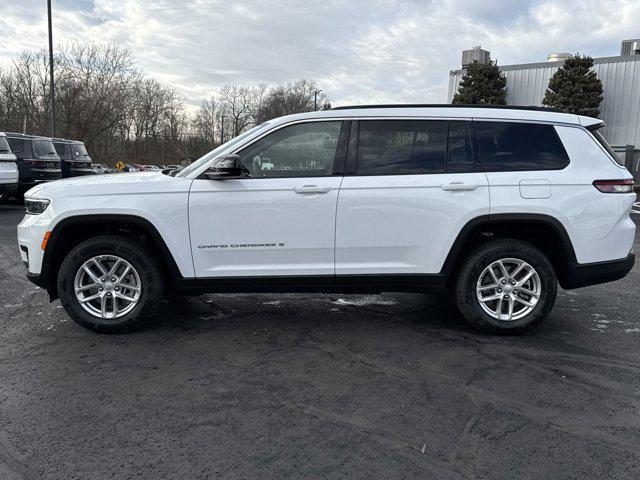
221	129
51	84
315	99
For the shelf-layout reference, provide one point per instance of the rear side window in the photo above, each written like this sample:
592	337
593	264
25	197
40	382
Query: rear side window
60	148
17	144
506	146
44	147
401	147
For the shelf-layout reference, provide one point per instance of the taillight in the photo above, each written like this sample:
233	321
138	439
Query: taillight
614	186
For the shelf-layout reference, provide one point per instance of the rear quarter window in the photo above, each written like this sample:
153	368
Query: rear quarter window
511	146
17	144
601	140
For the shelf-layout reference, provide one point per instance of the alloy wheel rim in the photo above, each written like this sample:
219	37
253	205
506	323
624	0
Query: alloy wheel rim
107	286
508	289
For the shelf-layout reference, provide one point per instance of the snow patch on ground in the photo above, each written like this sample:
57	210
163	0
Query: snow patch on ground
364	301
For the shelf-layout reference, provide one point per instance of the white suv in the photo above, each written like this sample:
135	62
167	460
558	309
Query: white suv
497	204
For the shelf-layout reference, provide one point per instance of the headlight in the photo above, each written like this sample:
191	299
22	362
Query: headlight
35	206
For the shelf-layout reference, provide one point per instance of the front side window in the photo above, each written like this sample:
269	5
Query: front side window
300	150
401	147
506	146
460	158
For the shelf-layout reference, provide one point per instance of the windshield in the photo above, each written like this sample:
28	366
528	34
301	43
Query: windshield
214	153
44	147
4	145
78	149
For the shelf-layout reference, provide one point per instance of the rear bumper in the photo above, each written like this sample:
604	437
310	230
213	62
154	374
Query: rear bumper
585	274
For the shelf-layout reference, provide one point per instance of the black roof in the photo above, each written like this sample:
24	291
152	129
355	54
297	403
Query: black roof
449	105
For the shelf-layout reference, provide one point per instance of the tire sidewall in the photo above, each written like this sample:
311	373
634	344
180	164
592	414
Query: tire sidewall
469	304
131	251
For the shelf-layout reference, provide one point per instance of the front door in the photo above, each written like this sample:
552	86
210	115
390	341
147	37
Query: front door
279	220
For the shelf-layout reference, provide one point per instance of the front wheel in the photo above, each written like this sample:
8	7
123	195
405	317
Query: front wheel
110	284
506	287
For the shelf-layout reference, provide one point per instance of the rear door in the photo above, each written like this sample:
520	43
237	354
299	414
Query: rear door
410	187
280	219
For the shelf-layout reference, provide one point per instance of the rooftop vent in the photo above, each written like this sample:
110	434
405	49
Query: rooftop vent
558	57
630	47
475	54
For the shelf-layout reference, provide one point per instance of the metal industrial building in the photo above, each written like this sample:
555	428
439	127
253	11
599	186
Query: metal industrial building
620	109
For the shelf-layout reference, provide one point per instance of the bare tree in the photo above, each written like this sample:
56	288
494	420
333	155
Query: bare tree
103	100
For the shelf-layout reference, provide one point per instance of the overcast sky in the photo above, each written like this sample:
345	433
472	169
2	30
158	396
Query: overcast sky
358	51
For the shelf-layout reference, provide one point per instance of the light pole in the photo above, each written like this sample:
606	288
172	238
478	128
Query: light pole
315	99
51	84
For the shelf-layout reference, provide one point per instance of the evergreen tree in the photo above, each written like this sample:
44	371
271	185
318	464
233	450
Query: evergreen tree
482	83
575	88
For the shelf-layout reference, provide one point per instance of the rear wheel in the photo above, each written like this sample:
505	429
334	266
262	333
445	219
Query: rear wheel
506	287
110	284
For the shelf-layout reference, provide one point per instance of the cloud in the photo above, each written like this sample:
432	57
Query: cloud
358	51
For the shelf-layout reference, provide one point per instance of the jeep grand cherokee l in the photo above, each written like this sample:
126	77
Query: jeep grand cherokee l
37	160
498	205
74	159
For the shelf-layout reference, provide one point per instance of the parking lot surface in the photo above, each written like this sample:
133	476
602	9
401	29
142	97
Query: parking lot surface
317	386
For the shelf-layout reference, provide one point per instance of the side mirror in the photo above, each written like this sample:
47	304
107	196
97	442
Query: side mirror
227	166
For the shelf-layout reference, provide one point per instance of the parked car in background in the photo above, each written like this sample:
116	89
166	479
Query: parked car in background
99	168
8	169
37	160
74	159
150	168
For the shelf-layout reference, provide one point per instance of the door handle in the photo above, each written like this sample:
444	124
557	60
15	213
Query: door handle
459	186
307	189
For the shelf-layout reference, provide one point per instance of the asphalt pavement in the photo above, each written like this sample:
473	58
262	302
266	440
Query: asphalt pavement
317	386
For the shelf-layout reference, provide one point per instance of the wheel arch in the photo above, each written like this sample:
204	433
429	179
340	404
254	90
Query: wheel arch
73	230
545	232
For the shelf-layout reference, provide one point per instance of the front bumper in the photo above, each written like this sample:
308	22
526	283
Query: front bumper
8	187
585	274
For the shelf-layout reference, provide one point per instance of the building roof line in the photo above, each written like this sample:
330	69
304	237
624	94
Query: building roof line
526	66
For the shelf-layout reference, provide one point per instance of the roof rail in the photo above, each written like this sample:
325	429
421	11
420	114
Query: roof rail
25	135
449	105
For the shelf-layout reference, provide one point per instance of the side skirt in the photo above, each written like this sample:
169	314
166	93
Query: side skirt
314	284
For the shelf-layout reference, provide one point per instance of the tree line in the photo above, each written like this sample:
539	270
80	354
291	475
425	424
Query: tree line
574	87
104	100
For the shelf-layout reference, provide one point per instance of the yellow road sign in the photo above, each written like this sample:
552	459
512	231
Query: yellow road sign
119	165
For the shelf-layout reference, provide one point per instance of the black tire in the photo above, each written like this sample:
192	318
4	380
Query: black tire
134	252
465	287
